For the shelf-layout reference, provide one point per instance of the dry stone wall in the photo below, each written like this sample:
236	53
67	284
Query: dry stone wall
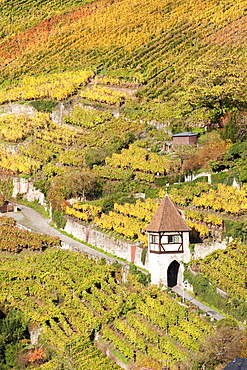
16	108
203	249
59	112
131	252
26	187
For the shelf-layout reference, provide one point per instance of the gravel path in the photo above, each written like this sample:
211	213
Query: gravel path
31	219
209	311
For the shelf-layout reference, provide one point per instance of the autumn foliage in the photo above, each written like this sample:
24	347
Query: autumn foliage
37	356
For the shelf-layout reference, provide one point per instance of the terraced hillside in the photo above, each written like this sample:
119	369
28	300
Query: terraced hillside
157	43
77	304
71	298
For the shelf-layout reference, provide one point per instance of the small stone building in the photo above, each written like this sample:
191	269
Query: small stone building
168	245
184	138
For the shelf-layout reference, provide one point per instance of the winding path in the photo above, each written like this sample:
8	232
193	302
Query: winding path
33	221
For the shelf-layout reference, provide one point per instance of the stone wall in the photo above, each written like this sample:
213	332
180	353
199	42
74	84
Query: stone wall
131	252
59	112
26	187
107	350
192	177
203	249
17	108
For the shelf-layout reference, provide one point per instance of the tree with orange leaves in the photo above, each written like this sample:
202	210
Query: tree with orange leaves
37	356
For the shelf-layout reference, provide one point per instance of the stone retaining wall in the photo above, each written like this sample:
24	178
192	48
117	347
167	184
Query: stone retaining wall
131	252
203	249
26	187
17	108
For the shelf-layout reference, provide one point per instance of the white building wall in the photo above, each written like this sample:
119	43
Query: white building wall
159	263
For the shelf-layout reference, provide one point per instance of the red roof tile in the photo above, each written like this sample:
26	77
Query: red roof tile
167	218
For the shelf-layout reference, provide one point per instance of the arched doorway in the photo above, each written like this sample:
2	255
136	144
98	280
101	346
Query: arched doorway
172	274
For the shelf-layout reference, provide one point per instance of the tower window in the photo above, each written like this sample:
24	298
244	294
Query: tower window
173	239
154	239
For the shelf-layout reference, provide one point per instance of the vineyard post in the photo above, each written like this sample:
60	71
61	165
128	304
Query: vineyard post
184	286
166	367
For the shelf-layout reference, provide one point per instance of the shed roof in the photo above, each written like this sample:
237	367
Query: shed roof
237	364
167	218
185	134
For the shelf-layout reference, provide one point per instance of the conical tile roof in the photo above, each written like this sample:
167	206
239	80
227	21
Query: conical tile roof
167	218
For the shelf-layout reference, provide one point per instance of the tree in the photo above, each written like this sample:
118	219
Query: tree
235	128
216	84
13	330
222	346
96	156
211	148
73	183
184	152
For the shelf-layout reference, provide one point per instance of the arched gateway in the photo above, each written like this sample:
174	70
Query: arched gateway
168	245
172	274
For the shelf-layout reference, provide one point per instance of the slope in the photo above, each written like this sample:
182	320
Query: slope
151	41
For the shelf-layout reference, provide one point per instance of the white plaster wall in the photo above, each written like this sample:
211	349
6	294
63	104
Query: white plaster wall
155	269
187	253
159	263
158	266
196	176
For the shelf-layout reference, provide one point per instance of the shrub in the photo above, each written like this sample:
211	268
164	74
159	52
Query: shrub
44	105
143	256
59	219
236	229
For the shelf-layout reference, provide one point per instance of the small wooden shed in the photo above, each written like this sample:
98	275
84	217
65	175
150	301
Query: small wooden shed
184	138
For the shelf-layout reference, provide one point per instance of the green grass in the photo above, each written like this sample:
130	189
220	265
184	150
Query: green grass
120	356
34	205
200	299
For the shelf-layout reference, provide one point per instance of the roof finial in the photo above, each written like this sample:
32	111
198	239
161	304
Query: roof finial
167	184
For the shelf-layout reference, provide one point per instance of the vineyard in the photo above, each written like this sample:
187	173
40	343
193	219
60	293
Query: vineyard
122	46
72	297
15	240
227	269
57	299
105	84
220	279
127	220
130	220
55	86
139	159
153	329
40	142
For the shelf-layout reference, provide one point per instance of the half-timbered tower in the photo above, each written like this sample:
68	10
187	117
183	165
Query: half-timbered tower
168	245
